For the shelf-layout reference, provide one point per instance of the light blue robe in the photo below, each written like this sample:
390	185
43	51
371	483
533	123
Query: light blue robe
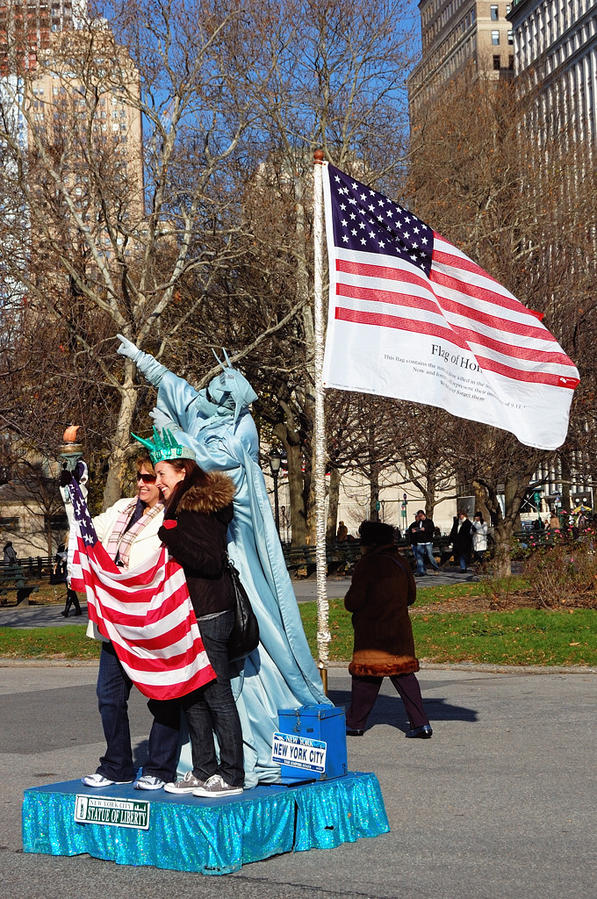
281	673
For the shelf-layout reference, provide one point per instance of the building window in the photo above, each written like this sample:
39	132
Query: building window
495	38
496	63
510	37
511	62
493	12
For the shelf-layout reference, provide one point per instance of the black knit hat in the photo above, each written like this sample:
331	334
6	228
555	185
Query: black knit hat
376	533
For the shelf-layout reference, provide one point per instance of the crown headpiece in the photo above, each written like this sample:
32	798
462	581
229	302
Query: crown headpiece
165	447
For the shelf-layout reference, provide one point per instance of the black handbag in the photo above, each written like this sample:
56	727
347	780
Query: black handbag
245	632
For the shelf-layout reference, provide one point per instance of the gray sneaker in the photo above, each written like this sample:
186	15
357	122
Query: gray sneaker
149	782
98	780
216	786
186	785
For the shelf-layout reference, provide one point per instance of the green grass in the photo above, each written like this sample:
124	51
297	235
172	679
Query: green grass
445	593
68	642
521	637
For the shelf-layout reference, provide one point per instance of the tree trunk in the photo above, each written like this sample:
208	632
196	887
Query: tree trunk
430	495
503	546
333	498
374	493
295	488
481	501
119	454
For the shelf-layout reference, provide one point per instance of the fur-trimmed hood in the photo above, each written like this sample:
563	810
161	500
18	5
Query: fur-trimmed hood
211	497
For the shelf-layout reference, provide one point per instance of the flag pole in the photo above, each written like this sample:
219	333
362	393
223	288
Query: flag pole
323	628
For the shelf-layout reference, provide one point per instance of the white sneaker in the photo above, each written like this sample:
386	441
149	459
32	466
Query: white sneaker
216	786
188	783
98	780
149	782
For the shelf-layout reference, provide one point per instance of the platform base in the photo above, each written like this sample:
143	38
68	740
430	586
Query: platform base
208	836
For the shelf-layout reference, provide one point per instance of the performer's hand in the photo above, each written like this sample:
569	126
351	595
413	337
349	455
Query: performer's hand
128	348
153	370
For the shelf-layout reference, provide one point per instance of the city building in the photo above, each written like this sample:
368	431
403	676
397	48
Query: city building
26	28
555	54
456	34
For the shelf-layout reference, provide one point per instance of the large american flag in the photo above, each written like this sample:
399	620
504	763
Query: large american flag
146	612
411	316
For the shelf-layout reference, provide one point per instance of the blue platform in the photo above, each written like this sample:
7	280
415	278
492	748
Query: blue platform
208	836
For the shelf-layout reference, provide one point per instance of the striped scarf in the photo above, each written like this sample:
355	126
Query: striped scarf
120	540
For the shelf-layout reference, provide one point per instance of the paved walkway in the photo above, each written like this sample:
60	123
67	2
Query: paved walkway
305	590
498	804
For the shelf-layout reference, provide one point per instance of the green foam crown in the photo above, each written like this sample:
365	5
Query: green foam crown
164	447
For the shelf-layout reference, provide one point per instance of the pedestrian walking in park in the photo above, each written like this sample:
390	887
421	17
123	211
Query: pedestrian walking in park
420	536
462	539
479	538
60	576
380	593
10	554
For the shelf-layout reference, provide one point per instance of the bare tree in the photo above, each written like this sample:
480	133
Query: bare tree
103	218
478	176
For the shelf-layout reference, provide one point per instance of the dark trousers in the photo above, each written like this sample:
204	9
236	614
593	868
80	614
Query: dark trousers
212	709
113	691
366	689
71	600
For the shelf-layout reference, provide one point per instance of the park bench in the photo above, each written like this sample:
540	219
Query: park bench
341	557
14	580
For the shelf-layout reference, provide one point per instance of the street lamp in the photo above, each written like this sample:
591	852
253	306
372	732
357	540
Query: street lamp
275	460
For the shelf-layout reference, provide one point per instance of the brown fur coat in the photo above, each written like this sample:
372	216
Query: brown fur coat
195	533
382	588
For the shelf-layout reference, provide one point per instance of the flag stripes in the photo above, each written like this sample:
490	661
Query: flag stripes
392	275
145	612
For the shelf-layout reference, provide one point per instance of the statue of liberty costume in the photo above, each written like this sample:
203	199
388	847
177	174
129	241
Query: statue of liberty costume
217	425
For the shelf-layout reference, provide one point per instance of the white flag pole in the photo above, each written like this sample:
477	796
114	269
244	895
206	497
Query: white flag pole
323	628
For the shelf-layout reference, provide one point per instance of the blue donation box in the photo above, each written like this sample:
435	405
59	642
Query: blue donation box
311	743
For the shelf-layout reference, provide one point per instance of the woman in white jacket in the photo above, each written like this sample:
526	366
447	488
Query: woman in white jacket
479	535
129	532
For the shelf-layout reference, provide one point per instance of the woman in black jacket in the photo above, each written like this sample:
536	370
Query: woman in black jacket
198	512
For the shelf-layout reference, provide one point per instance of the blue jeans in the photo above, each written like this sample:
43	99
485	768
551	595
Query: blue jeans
420	550
113	690
212	709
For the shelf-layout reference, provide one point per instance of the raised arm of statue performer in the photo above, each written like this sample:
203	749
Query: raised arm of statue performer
153	370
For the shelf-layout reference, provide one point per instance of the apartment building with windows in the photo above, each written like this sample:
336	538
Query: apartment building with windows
457	33
555	54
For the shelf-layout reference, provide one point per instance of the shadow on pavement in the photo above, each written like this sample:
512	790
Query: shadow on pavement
390	710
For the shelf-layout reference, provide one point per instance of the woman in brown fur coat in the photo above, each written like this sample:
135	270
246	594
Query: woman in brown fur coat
196	518
382	588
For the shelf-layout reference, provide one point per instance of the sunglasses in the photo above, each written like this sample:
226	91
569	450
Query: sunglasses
146	478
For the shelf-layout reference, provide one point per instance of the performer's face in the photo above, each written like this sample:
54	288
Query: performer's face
147	489
168	478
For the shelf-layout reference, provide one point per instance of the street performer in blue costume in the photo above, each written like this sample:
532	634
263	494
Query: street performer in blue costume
217	425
